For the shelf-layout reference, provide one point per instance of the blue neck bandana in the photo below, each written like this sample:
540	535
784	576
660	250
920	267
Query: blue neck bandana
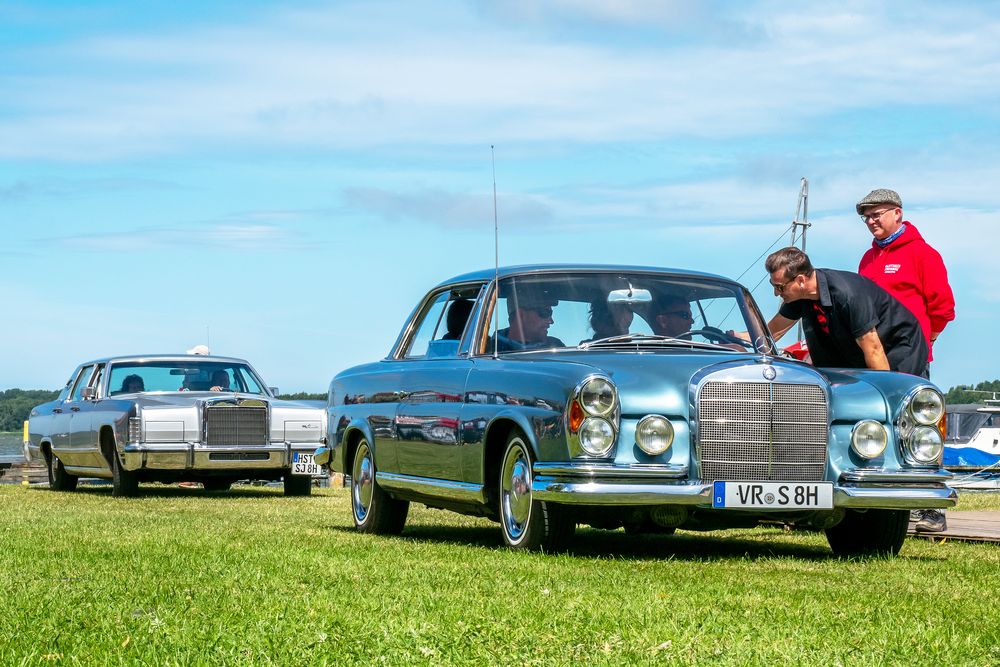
884	243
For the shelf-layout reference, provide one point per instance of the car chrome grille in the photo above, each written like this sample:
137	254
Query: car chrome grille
762	431
233	426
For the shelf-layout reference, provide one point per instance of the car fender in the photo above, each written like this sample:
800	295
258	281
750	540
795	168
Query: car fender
344	450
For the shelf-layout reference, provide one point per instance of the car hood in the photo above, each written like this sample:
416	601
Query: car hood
660	382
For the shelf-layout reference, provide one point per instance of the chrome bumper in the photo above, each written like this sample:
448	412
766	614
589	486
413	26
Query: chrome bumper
195	456
571	484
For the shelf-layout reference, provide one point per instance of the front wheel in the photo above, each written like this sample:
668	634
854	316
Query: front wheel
527	523
869	533
298	485
59	479
374	510
124	483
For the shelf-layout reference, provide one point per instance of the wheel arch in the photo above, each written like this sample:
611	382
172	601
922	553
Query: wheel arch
497	433
353	434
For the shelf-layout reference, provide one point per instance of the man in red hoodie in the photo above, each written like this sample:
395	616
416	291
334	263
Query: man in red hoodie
905	266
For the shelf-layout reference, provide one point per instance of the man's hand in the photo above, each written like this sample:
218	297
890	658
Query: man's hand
871	346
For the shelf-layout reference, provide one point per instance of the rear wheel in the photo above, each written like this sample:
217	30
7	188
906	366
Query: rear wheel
59	479
298	485
869	533
527	523
374	510
124	483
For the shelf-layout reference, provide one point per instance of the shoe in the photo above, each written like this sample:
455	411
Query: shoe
931	521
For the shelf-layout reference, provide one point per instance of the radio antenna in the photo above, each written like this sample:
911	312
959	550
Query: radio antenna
496	258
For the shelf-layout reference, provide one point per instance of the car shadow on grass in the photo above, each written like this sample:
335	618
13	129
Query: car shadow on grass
174	491
743	544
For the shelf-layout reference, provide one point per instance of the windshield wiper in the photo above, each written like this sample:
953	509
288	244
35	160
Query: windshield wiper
629	340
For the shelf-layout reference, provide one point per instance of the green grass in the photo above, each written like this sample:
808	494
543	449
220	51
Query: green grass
177	577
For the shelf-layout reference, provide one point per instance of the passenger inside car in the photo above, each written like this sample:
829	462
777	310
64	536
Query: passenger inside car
132	384
608	319
670	316
458	315
530	317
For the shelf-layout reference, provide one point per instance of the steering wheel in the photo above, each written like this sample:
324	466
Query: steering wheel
717	336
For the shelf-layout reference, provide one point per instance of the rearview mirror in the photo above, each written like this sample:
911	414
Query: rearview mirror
274	391
630	296
89	393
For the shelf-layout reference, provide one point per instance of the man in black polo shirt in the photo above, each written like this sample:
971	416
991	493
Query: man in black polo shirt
849	321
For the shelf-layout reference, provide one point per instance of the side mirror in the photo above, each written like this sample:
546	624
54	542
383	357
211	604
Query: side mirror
274	391
89	393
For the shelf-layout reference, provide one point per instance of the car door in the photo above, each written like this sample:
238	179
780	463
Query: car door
432	388
85	424
62	442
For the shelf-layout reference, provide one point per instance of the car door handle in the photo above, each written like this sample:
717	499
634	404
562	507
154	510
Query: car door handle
58	411
75	409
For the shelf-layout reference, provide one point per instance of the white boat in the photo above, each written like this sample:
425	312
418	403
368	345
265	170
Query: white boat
972	445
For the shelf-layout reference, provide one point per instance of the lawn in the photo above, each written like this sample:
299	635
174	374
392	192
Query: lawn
179	577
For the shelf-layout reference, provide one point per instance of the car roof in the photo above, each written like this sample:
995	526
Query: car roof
166	357
506	271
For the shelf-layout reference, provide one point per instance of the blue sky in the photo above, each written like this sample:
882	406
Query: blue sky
288	179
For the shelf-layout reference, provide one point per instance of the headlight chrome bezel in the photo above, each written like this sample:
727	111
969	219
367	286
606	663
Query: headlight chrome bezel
578	414
911	425
651	422
594	426
869	427
926	397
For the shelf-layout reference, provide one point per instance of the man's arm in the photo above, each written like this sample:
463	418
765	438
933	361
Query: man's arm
779	326
871	346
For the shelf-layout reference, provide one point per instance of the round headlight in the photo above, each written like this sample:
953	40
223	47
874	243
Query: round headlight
869	438
654	434
598	397
926	445
927	406
596	436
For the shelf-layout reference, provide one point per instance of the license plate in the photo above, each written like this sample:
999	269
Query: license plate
303	464
773	495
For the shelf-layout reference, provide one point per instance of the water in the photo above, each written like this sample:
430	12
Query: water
10	445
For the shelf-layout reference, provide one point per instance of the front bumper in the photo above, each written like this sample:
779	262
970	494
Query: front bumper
597	484
195	456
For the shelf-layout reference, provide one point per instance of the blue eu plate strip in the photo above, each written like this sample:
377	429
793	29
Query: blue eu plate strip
718	494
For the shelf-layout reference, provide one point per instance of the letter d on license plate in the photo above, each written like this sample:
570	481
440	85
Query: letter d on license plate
773	495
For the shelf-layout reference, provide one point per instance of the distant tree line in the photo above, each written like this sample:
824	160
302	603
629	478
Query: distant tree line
966	393
16	404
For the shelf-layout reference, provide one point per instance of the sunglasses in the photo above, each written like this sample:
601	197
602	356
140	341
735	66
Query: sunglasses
683	314
544	312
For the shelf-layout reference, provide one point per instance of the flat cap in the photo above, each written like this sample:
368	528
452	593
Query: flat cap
880	196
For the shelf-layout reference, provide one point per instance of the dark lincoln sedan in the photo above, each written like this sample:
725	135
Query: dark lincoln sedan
623	397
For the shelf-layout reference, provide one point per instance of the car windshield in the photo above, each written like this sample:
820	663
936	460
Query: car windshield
610	310
140	377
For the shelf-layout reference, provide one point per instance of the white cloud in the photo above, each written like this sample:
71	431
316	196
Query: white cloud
334	80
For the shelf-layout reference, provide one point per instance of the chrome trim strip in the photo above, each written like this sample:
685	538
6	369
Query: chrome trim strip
441	488
610	470
863	475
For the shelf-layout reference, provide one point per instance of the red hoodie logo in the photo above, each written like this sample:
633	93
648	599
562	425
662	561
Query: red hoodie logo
892	268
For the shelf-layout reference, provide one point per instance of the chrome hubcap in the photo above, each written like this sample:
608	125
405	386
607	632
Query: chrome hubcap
362	481
516	495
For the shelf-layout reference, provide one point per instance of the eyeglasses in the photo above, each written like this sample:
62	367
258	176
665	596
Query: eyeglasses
544	312
780	288
874	215
683	314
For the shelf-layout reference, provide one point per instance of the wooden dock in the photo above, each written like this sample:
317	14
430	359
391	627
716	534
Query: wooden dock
14	470
966	527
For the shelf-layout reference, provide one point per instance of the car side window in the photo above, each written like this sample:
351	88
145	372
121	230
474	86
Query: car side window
427	325
82	381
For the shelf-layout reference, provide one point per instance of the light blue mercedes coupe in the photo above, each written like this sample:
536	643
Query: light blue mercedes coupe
648	399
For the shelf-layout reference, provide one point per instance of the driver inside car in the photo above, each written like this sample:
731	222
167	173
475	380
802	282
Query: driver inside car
530	317
671	316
